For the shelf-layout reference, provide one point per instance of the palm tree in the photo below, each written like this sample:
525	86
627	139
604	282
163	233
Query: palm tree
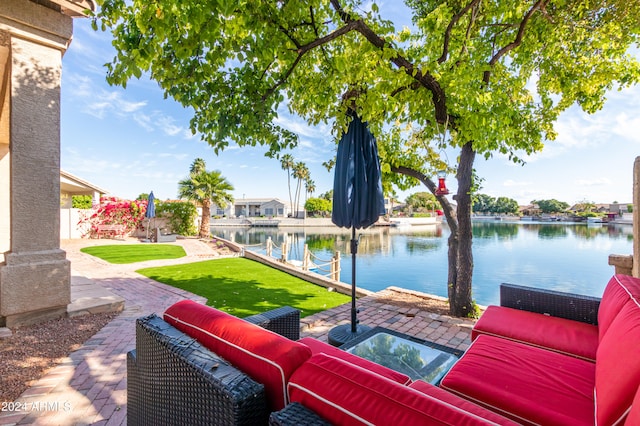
287	163
310	187
198	166
205	188
300	172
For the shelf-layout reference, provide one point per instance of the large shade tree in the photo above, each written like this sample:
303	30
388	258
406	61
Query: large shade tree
205	188
477	76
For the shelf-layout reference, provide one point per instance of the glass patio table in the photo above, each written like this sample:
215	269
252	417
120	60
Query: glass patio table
417	358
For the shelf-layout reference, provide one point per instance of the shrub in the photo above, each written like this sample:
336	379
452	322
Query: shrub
81	201
181	216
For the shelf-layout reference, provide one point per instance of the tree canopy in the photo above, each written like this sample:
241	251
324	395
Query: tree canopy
551	206
482	77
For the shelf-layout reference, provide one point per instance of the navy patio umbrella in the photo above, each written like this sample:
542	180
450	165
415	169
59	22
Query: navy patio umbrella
358	202
151	210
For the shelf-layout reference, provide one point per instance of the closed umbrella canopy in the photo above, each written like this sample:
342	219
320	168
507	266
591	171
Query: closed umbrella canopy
151	207
358	202
151	211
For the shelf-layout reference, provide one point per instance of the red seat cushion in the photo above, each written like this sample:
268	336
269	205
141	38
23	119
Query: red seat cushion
573	338
265	356
317	347
525	383
346	394
616	294
618	366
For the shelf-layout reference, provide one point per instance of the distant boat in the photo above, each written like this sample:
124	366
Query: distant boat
594	220
400	222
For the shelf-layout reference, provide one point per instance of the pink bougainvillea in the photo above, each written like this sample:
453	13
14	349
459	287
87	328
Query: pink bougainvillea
115	211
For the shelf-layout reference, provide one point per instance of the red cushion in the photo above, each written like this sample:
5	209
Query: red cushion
345	394
265	356
449	398
573	338
618	291
318	347
525	383
618	365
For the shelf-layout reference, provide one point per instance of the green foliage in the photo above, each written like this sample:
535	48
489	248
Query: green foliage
505	205
181	216
236	64
205	187
132	253
243	287
318	206
81	201
421	201
629	208
144	196
551	206
483	203
327	195
481	77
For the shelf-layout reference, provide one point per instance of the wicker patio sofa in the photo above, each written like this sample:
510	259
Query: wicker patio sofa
198	365
546	357
174	380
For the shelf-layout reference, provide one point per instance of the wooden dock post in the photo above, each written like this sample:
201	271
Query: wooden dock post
335	267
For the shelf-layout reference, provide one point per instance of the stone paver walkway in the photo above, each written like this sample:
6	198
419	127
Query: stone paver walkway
89	386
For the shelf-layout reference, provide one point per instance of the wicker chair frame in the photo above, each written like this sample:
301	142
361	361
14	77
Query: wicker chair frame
174	380
571	306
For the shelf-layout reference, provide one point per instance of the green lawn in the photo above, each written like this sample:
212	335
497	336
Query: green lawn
131	253
243	287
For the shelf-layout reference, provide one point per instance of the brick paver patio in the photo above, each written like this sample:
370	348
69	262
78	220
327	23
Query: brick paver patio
89	386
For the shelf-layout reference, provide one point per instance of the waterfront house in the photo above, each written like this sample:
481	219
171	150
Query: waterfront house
256	207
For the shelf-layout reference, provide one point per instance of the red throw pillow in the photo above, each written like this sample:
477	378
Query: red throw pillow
318	347
345	394
618	291
618	366
267	357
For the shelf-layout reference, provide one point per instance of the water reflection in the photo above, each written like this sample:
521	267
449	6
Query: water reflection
563	257
501	231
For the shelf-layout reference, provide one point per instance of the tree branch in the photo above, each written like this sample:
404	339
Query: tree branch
540	4
302	50
426	181
424	78
447	33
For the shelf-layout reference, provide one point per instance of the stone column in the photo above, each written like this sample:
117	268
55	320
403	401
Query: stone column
630	264
5	166
35	274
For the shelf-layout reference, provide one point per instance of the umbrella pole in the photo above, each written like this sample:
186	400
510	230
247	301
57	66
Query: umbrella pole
354	251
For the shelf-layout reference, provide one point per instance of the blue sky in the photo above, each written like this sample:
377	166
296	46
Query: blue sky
131	141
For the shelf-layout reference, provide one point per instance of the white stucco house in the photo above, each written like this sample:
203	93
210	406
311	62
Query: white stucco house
256	207
71	185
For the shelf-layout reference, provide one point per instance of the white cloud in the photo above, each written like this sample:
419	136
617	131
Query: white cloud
512	183
593	182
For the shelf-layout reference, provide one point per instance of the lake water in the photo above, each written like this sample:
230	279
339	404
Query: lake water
557	256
